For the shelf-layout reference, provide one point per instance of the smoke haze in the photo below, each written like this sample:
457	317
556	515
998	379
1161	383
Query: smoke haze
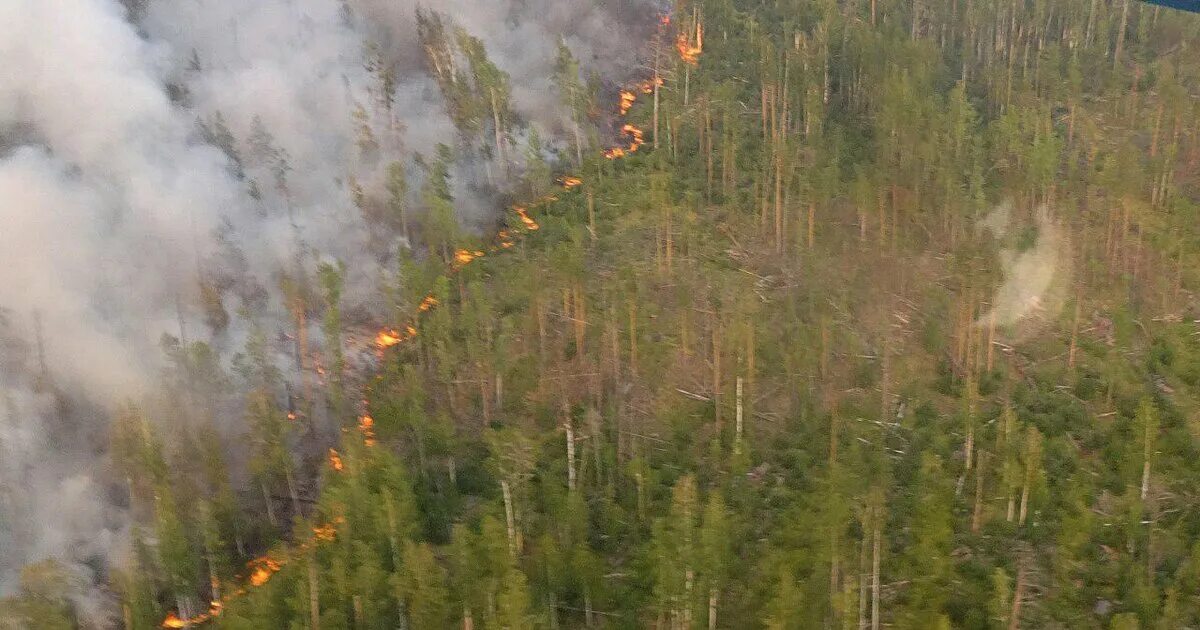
116	197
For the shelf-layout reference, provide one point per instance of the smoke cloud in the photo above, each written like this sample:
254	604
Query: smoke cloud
206	139
1036	265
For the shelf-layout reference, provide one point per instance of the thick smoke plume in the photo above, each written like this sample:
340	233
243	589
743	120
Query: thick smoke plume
149	147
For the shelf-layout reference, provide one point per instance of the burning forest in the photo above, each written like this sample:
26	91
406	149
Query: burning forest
365	314
220	233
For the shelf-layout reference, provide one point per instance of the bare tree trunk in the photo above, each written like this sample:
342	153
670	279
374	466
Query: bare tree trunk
314	604
991	340
862	583
713	594
496	125
875	549
737	439
689	579
1024	503
1014	615
1121	34
292	490
1074	334
1145	477
570	430
654	130
591	206
716	374
977	510
509	518
270	508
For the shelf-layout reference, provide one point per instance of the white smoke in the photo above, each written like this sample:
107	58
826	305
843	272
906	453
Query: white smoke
1035	263
112	196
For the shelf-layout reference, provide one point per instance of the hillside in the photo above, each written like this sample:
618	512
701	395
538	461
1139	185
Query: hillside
884	315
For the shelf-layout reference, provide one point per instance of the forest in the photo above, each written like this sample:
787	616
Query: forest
851	314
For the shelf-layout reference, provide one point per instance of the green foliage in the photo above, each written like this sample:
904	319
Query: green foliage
941	425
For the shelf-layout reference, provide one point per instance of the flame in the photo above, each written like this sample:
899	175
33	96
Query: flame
627	99
530	224
387	339
647	86
463	257
366	426
263	569
504	238
172	620
325	533
291	416
689	51
638	138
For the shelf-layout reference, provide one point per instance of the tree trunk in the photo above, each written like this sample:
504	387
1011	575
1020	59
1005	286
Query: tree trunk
292	490
712	608
737	439
716	375
1074	334
875	549
654	129
1145	477
862	583
1121	34
1024	502
591	207
570	430
509	518
1014	615
991	340
496	126
977	510
314	604
270	508
688	581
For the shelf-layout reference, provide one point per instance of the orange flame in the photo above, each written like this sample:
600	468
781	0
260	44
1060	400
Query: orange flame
689	51
325	533
366	426
172	620
291	416
387	339
647	86
463	257
636	134
263	569
530	224
627	99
